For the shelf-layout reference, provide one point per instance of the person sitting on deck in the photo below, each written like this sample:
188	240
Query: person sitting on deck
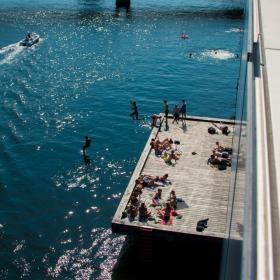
156	200
132	211
172	199
167	212
168	158
220	154
164	179
138	188
218	147
143	211
133	199
222	128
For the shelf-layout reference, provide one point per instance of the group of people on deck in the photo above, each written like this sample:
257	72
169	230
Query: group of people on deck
177	111
220	157
167	149
164	209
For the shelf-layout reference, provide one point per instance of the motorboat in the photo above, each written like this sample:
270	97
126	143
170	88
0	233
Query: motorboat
29	40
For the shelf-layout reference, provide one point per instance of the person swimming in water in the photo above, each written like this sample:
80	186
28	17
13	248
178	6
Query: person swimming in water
87	143
134	113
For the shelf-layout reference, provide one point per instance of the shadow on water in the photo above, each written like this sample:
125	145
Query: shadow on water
144	258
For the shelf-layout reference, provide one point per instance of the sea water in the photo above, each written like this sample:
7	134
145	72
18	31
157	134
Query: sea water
91	61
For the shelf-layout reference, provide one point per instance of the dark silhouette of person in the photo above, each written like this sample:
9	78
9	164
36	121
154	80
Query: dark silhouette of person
134	113
87	143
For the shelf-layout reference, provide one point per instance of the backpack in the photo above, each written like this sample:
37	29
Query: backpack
222	166
211	130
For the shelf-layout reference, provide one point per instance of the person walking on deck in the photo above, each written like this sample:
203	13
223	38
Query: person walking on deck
134	113
183	110
87	143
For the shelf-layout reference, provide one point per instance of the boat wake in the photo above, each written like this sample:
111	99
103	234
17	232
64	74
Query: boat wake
10	52
218	54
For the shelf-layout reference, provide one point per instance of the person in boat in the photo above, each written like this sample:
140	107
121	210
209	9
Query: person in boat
28	37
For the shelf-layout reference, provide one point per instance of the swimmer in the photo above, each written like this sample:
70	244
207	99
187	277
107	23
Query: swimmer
87	143
190	55
184	36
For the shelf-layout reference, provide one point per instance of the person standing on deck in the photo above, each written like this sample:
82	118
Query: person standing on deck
176	114
183	110
165	109
87	144
134	113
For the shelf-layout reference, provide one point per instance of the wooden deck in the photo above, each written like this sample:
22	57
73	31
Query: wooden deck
205	190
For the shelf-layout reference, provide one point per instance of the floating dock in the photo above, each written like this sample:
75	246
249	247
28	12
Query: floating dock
204	190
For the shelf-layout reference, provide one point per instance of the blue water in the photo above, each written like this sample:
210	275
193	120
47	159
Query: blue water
92	60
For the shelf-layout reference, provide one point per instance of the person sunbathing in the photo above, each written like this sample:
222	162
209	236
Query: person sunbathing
164	179
222	128
220	154
150	180
214	160
156	200
143	211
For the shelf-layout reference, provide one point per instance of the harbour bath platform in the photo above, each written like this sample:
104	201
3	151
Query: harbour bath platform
203	190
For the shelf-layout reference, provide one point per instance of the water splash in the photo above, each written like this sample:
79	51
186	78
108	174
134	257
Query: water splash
218	54
234	30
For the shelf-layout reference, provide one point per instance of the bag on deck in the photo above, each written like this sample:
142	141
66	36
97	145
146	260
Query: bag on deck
211	130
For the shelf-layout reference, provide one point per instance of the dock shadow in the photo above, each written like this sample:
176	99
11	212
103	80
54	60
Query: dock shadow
148	257
184	127
182	205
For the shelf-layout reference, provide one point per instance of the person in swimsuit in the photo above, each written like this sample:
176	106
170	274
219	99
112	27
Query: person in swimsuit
176	114
134	113
87	143
183	110
165	109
